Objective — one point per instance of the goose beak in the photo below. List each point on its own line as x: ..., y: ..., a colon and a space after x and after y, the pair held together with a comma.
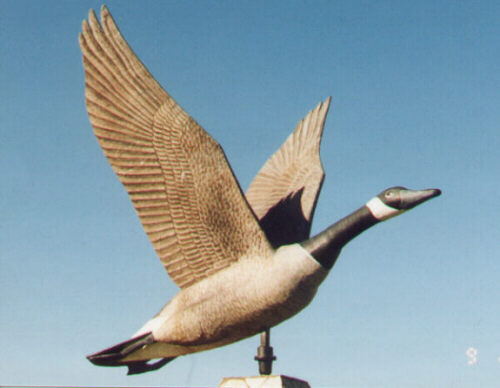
x: 412, y: 198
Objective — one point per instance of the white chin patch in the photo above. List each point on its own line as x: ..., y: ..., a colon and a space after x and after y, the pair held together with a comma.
x: 380, y: 210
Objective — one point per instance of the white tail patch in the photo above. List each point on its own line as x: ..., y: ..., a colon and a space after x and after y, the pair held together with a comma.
x: 151, y: 326
x: 380, y: 210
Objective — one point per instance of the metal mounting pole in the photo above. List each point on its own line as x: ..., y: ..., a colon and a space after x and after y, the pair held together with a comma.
x: 265, y: 355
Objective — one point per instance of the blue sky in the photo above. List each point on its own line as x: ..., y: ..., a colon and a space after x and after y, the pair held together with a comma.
x: 415, y: 88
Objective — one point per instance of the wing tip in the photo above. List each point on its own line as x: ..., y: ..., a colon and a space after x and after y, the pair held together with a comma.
x: 83, y: 35
x: 105, y: 14
x: 93, y: 21
x: 327, y: 102
x: 311, y: 126
x: 323, y: 106
x: 85, y: 26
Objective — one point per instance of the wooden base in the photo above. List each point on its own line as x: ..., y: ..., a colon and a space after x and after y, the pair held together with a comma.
x: 275, y: 381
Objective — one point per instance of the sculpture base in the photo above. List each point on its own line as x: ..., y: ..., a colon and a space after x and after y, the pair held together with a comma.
x: 274, y: 381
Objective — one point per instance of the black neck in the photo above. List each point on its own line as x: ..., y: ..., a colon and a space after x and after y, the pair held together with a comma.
x: 326, y: 246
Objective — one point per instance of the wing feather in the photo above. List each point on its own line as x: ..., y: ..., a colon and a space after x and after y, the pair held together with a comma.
x: 176, y: 175
x: 284, y: 193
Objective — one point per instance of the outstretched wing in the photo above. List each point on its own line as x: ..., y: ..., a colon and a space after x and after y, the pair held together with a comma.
x: 176, y: 175
x: 283, y: 195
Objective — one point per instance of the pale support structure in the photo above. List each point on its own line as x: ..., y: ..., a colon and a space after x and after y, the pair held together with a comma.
x: 265, y: 357
x: 276, y: 381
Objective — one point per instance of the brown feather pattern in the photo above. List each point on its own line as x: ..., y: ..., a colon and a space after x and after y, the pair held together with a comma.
x: 177, y: 176
x: 295, y: 166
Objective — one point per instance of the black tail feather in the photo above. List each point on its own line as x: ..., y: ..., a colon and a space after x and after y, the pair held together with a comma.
x: 135, y: 368
x: 114, y: 355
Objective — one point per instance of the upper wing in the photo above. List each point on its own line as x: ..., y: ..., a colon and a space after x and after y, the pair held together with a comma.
x: 176, y: 175
x: 283, y: 195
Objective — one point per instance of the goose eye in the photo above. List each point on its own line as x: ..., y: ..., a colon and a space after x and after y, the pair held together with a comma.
x: 389, y: 194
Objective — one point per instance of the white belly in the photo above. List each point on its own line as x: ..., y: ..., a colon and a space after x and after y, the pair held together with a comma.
x: 237, y: 302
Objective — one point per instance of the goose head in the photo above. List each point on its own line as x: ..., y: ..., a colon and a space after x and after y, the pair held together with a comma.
x: 326, y: 246
x: 398, y: 199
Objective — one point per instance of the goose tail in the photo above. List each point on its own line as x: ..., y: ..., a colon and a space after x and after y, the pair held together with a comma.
x: 115, y: 355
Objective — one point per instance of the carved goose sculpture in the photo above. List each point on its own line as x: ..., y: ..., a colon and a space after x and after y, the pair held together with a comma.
x: 243, y: 264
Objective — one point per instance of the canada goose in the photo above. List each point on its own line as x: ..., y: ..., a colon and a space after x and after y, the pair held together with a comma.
x: 243, y: 263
